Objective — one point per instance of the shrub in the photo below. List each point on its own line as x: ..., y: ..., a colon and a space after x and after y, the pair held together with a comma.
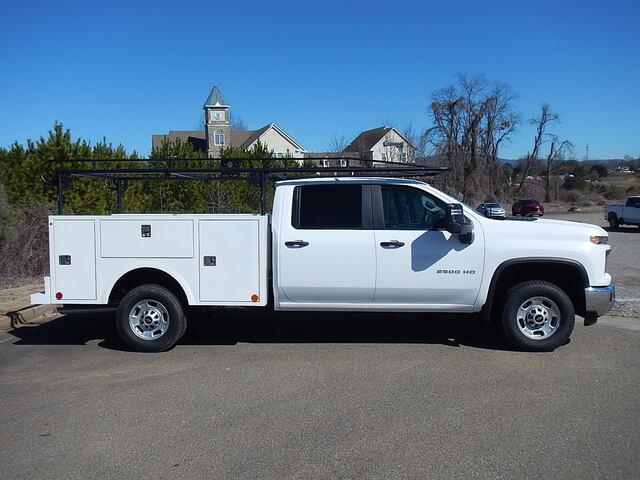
x: 24, y: 245
x: 613, y: 192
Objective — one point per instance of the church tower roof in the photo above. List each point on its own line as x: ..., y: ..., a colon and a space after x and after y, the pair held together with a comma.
x: 215, y: 98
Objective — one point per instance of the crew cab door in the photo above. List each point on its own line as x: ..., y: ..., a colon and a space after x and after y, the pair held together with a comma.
x: 632, y: 210
x: 419, y: 263
x: 326, y: 252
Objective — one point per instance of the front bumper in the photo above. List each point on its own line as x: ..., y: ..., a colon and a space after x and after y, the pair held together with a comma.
x: 599, y: 300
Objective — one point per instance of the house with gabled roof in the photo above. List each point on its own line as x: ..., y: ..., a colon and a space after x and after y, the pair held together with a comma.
x: 218, y: 133
x: 381, y: 144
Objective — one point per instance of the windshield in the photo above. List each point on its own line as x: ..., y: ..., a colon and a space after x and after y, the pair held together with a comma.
x: 492, y: 205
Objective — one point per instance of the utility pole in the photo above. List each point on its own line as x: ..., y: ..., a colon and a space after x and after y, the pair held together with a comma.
x: 587, y: 156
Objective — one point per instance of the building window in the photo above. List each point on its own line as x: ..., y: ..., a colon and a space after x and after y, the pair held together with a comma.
x: 384, y: 156
x: 343, y: 163
x: 217, y: 115
x: 403, y: 157
x: 324, y: 163
x: 218, y: 137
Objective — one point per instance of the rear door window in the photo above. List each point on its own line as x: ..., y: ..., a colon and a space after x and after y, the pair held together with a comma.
x: 328, y: 207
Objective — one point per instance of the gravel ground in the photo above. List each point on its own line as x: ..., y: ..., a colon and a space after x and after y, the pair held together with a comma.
x: 623, y: 263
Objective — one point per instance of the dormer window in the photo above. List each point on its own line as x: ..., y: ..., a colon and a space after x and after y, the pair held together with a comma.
x: 217, y: 115
x: 218, y: 137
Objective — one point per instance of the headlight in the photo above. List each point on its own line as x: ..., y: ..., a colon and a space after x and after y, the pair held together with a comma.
x: 599, y: 239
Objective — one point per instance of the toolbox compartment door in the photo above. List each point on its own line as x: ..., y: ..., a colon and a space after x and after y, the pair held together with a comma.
x: 229, y: 260
x: 74, y: 259
x: 146, y: 238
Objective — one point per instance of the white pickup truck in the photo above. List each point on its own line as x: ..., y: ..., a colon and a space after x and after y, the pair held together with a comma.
x: 627, y: 214
x: 341, y: 244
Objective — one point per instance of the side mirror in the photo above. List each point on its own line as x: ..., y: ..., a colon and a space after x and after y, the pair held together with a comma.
x: 456, y: 223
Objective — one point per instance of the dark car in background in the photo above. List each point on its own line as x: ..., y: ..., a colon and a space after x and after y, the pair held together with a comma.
x: 527, y: 206
x: 491, y: 209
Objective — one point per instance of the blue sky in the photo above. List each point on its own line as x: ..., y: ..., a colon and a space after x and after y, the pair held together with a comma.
x: 125, y: 70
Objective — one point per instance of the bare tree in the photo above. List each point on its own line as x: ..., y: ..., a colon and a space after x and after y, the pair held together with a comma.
x: 417, y: 139
x: 557, y: 151
x: 531, y: 161
x: 337, y: 143
x: 471, y: 121
x: 500, y: 123
x: 237, y: 122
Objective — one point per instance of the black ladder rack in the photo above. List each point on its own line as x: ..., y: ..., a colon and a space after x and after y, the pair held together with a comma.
x: 209, y: 169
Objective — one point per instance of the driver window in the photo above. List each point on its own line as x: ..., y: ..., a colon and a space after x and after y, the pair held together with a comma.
x: 407, y: 208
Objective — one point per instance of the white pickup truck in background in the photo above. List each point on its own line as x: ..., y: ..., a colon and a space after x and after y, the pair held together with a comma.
x: 627, y: 214
x: 341, y: 244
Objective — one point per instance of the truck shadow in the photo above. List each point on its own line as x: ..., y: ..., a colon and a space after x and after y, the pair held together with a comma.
x: 233, y: 326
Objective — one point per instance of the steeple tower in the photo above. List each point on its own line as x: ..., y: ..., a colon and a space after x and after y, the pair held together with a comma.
x: 217, y: 126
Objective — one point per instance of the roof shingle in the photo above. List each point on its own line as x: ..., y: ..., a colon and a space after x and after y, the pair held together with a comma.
x: 215, y: 98
x: 366, y: 140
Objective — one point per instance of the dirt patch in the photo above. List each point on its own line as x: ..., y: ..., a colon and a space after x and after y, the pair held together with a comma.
x: 12, y: 299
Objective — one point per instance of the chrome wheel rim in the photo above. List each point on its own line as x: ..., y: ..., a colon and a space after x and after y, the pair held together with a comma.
x: 538, y: 318
x: 149, y: 319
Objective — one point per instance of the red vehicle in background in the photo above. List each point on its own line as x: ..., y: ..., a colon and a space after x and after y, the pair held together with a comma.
x: 527, y: 206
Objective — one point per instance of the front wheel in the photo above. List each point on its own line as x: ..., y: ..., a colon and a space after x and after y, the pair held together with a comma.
x: 150, y: 318
x: 613, y: 222
x: 537, y: 316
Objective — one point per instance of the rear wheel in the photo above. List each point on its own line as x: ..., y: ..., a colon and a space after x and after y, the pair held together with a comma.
x: 150, y: 319
x: 537, y: 316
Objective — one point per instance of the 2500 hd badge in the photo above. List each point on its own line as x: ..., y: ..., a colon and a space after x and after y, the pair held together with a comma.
x: 457, y: 272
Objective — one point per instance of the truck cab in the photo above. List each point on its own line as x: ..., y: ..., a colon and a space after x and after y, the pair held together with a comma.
x: 371, y: 244
x: 627, y: 214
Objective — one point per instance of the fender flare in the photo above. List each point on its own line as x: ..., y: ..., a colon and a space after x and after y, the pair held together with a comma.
x: 488, y: 304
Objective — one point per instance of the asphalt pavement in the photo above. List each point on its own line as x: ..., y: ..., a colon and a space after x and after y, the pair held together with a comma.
x: 330, y: 396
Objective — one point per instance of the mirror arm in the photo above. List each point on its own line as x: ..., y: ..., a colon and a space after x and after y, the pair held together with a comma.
x: 467, y: 238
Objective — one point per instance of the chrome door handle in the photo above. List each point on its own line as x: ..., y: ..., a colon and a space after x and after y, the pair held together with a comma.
x: 296, y: 244
x: 392, y: 244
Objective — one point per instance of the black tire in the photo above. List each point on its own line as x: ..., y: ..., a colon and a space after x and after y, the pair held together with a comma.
x: 613, y: 222
x: 517, y: 296
x: 170, y: 307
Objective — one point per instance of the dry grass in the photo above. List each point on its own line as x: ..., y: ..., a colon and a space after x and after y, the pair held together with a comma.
x: 14, y: 298
x: 24, y: 243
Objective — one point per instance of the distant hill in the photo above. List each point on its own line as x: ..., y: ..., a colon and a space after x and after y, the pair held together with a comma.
x: 597, y: 160
x: 431, y: 160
